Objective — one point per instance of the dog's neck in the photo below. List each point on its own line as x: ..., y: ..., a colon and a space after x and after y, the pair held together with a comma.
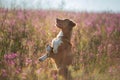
x: 65, y: 35
x: 60, y: 34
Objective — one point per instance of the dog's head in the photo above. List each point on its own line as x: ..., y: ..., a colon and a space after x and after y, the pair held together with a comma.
x: 65, y: 24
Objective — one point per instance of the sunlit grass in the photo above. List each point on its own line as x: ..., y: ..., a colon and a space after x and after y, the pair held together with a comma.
x: 24, y: 34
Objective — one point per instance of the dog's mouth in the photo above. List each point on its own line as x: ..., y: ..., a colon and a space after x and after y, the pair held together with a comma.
x: 58, y: 25
x: 44, y: 57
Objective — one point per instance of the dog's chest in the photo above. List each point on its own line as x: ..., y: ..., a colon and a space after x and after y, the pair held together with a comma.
x: 56, y: 42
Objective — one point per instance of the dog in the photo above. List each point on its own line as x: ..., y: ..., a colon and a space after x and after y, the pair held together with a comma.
x: 60, y: 49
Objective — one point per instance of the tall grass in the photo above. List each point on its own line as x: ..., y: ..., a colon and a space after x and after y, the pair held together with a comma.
x: 24, y: 34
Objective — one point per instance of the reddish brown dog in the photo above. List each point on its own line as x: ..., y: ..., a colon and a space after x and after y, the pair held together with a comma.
x: 61, y: 48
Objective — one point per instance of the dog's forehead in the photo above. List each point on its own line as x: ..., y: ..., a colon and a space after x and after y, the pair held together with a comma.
x: 67, y: 20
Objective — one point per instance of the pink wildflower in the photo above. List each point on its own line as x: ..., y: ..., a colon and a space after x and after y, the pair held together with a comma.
x: 4, y: 72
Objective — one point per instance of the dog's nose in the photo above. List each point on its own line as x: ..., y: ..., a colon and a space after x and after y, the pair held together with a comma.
x: 57, y: 19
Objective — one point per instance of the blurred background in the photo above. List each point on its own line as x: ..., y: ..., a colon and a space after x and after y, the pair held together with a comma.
x: 69, y: 5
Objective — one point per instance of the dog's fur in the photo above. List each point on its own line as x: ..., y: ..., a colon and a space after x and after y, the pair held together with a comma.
x: 56, y: 42
x: 60, y: 49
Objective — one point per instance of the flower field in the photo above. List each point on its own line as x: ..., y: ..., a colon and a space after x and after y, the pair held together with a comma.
x: 24, y: 34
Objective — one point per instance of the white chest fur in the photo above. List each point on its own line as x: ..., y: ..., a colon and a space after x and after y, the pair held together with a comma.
x: 56, y: 42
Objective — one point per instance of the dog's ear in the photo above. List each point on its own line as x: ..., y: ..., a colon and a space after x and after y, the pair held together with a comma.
x: 72, y: 24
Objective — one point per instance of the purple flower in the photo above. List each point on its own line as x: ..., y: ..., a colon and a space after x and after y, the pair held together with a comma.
x: 18, y: 70
x: 28, y: 61
x: 110, y: 29
x: 4, y: 72
x: 21, y: 15
x: 10, y: 58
